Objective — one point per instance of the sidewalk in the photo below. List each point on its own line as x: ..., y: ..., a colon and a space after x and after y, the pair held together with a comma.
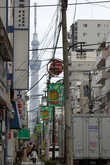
x: 29, y: 162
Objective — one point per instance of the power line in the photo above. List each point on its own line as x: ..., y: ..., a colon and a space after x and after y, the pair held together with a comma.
x: 36, y: 83
x: 34, y: 109
x: 89, y: 70
x: 75, y: 45
x: 86, y: 3
x: 46, y: 48
x: 75, y: 12
x: 44, y: 42
x: 57, y: 30
x: 54, y: 5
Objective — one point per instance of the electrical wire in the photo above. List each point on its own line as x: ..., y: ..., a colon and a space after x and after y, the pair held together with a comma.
x: 75, y: 12
x: 24, y: 62
x: 90, y: 70
x: 36, y: 83
x: 54, y: 5
x: 43, y: 43
x: 33, y: 109
x: 47, y: 48
x: 58, y: 27
x: 75, y: 46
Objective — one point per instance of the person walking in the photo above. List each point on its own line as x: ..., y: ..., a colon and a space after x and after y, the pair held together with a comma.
x: 34, y: 156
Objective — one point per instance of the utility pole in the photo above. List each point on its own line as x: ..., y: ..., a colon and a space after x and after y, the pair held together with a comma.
x: 53, y: 126
x: 53, y: 135
x: 67, y: 107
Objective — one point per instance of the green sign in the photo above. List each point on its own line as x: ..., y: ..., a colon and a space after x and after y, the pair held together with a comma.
x: 38, y: 127
x: 24, y: 133
x: 46, y: 113
x: 56, y: 94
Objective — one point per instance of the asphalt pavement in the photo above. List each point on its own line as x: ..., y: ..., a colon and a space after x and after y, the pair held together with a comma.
x: 29, y: 162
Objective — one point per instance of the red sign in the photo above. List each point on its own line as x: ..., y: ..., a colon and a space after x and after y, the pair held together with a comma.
x: 19, y: 103
x: 9, y: 135
x: 55, y: 67
x: 53, y: 95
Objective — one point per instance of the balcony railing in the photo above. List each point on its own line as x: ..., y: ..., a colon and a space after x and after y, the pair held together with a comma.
x: 5, y: 45
x: 100, y: 59
x: 102, y: 76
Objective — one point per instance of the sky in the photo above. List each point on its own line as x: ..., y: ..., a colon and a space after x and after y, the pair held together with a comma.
x: 91, y: 11
x: 45, y: 20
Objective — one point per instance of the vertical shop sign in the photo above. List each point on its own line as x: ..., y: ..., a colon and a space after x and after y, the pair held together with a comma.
x: 21, y: 44
x: 56, y: 94
x: 20, y: 106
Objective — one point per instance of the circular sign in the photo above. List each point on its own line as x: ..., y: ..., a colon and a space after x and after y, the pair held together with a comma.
x: 55, y: 67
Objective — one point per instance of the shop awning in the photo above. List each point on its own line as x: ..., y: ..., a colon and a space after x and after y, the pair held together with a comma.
x: 15, y: 123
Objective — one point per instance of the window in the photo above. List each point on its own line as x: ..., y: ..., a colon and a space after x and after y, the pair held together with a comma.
x: 98, y: 34
x: 21, y: 5
x: 84, y: 25
x: 98, y: 25
x: 86, y: 90
x: 70, y: 83
x: 84, y: 34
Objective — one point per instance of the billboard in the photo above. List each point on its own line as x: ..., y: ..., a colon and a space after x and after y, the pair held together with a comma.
x: 21, y: 45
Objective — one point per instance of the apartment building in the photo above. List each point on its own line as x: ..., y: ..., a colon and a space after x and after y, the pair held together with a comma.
x: 89, y: 31
x: 5, y: 105
x: 79, y: 68
x: 103, y: 78
x: 8, y: 126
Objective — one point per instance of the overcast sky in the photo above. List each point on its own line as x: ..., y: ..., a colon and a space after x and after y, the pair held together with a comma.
x: 91, y: 11
x: 44, y: 16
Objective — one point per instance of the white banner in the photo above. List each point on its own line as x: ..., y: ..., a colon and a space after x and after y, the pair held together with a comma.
x: 21, y: 68
x: 21, y: 45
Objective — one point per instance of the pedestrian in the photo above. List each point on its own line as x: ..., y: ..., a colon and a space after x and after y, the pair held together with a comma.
x: 29, y: 150
x: 19, y: 158
x: 34, y: 156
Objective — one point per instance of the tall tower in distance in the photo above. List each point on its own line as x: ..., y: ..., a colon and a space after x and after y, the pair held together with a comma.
x: 34, y: 75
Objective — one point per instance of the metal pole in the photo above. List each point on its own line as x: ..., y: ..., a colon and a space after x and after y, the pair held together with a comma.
x: 67, y: 107
x: 53, y: 136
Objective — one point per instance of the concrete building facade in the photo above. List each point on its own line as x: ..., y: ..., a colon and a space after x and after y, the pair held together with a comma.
x: 89, y: 31
x: 103, y: 78
x: 79, y: 68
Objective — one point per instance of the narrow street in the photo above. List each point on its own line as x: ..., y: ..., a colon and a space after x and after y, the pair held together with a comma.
x: 28, y: 162
x: 55, y: 82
